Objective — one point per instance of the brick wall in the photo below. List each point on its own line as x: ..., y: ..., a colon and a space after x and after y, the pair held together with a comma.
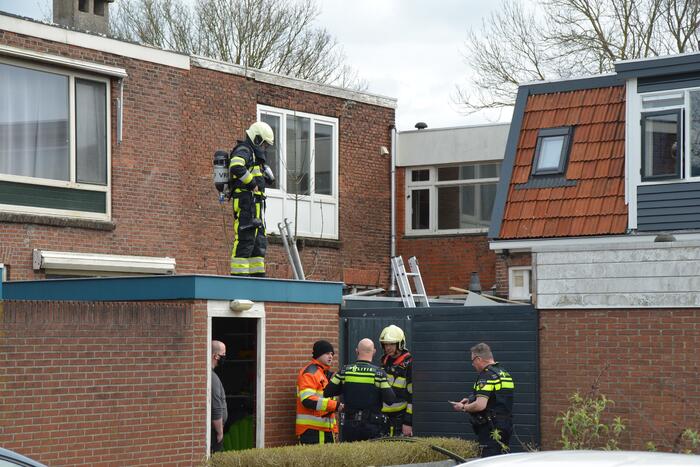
x: 163, y: 200
x: 644, y: 360
x: 445, y: 260
x: 103, y: 383
x: 504, y: 261
x: 291, y: 332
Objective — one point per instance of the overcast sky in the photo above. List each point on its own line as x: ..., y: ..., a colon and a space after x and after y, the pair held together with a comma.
x: 411, y: 50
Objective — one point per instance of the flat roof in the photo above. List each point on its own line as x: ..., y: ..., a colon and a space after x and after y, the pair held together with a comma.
x: 177, y: 287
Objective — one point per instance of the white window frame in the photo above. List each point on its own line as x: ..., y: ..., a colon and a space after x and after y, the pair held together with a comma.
x: 633, y: 141
x: 432, y: 185
x: 72, y: 183
x: 314, y: 203
x: 514, y: 293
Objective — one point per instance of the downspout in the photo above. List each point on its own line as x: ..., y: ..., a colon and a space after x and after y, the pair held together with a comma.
x: 392, y: 287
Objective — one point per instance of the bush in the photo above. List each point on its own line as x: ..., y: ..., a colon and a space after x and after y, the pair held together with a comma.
x: 582, y: 426
x: 363, y: 453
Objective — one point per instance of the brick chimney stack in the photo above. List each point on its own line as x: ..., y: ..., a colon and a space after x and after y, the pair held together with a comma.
x: 86, y: 15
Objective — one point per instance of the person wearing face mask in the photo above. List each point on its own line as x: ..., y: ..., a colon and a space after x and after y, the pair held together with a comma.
x: 248, y: 176
x: 398, y: 364
x: 219, y: 410
x: 316, y: 422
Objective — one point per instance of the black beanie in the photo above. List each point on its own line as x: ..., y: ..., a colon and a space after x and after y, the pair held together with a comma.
x: 321, y: 347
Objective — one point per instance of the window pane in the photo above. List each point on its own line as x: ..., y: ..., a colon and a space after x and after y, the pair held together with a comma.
x: 465, y: 207
x: 695, y: 133
x: 489, y: 170
x: 550, y: 152
x: 420, y: 175
x: 420, y: 209
x: 91, y: 131
x: 448, y: 173
x: 273, y: 152
x: 323, y: 163
x: 34, y: 123
x: 673, y: 100
x: 660, y: 133
x: 449, y: 201
x: 298, y: 155
x: 488, y: 195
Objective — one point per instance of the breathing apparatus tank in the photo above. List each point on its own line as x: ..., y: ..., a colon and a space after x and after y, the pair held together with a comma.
x: 221, y: 174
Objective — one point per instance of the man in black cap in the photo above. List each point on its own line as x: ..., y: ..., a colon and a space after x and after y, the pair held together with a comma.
x: 316, y: 423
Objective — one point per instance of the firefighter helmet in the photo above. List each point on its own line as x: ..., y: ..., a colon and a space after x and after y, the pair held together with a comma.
x: 393, y: 334
x: 261, y: 132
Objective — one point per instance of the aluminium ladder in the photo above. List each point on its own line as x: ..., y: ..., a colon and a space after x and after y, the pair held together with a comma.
x: 408, y: 297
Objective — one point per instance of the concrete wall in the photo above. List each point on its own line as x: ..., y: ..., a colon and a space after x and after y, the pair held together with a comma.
x: 618, y: 275
x: 452, y: 145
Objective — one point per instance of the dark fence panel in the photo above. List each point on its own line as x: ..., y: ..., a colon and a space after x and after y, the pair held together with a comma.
x: 439, y: 339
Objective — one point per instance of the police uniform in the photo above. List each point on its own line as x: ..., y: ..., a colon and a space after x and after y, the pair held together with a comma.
x: 399, y: 375
x: 364, y: 388
x: 495, y: 383
x: 247, y: 173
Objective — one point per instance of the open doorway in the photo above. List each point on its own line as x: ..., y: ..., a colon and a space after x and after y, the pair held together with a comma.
x: 238, y: 374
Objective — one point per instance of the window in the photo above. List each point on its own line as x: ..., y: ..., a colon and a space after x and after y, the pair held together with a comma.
x: 304, y: 160
x: 552, y: 151
x: 661, y: 132
x: 670, y: 135
x: 451, y: 199
x: 54, y: 137
x: 519, y: 283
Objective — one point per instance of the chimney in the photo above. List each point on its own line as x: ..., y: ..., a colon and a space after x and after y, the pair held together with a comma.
x: 85, y: 15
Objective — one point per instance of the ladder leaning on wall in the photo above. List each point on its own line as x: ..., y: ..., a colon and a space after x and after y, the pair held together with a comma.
x: 409, y: 297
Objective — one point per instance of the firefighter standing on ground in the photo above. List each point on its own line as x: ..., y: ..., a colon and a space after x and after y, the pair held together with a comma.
x: 492, y: 408
x: 247, y: 181
x: 364, y: 388
x: 398, y: 362
x: 316, y: 422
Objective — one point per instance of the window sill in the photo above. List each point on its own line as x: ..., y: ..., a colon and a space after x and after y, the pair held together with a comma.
x: 310, y: 242
x: 474, y: 233
x: 19, y: 218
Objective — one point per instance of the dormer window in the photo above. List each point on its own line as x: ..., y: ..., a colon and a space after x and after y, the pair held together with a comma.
x: 552, y: 151
x: 662, y: 150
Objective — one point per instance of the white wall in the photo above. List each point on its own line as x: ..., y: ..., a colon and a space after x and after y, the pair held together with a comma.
x: 452, y: 145
x: 640, y: 275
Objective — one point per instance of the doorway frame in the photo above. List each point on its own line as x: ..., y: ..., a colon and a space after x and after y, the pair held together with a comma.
x: 221, y: 309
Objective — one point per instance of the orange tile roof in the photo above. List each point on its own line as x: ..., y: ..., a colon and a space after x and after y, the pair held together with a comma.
x: 596, y: 205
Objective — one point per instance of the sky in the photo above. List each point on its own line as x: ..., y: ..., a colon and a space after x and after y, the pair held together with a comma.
x: 411, y: 50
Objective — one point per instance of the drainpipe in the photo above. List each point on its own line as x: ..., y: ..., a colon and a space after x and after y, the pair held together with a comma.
x: 392, y: 287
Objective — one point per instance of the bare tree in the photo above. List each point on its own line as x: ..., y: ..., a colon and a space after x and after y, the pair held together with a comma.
x: 530, y: 40
x: 264, y: 34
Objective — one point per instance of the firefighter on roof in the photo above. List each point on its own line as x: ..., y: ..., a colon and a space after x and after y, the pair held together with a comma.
x: 248, y: 177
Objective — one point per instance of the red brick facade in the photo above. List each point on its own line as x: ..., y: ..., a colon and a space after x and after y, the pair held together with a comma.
x: 445, y: 260
x: 504, y: 261
x: 125, y: 383
x: 644, y: 360
x: 163, y: 200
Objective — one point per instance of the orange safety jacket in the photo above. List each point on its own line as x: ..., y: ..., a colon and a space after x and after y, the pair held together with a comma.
x: 314, y: 411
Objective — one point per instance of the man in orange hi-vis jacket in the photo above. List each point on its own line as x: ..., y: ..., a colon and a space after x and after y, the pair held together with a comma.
x: 316, y: 423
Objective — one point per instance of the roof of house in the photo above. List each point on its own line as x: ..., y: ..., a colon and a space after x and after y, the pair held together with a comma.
x: 590, y: 199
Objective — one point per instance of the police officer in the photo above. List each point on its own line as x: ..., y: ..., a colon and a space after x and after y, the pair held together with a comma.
x: 364, y: 388
x: 398, y: 362
x: 492, y: 408
x: 247, y: 182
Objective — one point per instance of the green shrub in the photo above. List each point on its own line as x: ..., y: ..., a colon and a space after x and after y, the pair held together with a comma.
x: 363, y: 453
x: 582, y: 426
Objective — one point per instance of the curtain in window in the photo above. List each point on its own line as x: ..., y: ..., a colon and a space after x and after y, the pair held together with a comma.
x: 91, y: 131
x: 34, y: 123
